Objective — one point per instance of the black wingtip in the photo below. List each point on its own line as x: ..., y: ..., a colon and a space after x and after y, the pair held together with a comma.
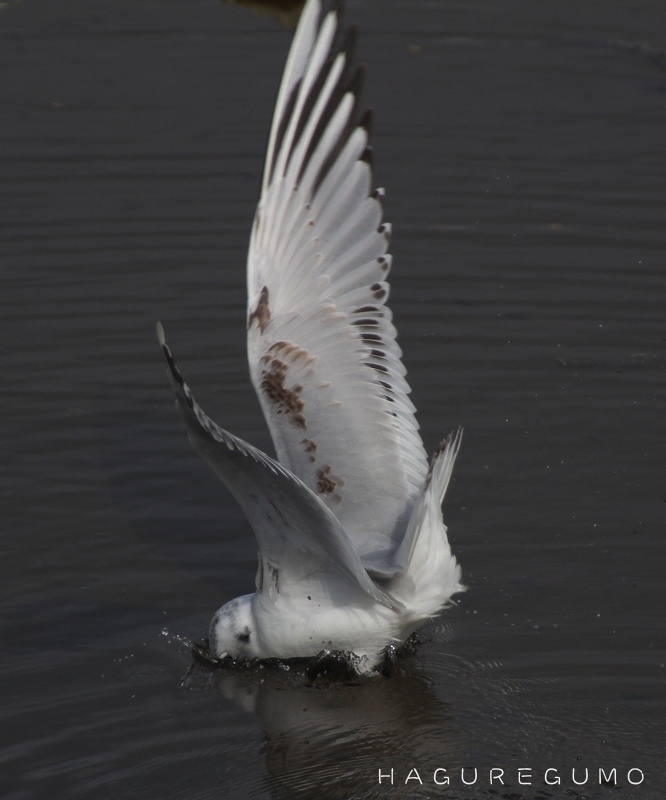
x: 355, y: 81
x: 161, y: 338
x: 177, y: 379
x: 349, y: 41
x: 367, y: 121
x: 337, y: 6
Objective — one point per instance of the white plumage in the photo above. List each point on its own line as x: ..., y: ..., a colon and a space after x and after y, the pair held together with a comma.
x: 353, y: 552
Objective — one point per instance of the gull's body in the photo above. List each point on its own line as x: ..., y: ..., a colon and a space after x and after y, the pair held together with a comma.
x: 353, y: 553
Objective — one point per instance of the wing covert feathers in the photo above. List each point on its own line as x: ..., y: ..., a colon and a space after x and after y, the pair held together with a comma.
x: 321, y: 344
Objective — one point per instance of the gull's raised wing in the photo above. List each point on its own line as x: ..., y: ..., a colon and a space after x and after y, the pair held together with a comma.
x: 321, y: 345
x: 299, y: 539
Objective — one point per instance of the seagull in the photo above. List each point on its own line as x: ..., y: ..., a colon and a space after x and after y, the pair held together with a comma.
x: 352, y: 547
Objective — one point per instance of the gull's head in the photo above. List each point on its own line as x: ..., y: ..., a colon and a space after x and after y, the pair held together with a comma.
x: 232, y: 630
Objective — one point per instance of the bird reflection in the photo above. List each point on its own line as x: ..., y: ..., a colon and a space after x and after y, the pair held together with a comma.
x: 339, y: 734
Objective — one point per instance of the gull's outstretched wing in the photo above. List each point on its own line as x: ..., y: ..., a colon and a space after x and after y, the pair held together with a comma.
x: 321, y: 346
x: 299, y: 539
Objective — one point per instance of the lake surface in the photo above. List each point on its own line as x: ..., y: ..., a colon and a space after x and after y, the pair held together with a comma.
x: 522, y: 148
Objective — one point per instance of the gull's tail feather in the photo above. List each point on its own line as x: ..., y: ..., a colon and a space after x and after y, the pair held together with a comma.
x: 430, y: 573
x: 442, y: 463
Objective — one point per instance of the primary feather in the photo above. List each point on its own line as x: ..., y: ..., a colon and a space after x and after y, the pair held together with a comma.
x: 321, y: 344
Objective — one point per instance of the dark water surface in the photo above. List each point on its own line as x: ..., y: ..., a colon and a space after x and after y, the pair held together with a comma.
x: 522, y: 147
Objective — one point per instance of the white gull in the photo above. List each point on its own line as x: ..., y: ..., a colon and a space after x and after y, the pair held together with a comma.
x: 353, y: 553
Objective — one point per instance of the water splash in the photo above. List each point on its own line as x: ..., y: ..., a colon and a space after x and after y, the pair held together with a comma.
x: 178, y: 639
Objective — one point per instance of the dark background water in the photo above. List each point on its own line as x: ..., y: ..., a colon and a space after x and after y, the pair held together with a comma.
x: 522, y: 148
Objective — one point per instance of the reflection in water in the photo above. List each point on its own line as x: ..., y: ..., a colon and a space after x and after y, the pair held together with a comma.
x: 446, y: 716
x: 285, y: 12
x: 339, y: 734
